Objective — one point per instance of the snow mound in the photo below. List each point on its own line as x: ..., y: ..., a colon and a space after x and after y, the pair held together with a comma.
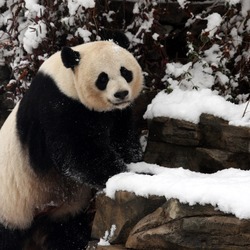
x: 188, y: 105
x: 227, y: 190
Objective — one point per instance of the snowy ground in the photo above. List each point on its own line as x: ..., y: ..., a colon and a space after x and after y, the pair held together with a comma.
x: 227, y: 190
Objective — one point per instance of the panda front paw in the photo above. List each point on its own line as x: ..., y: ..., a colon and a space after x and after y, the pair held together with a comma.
x: 105, y: 171
x: 133, y: 155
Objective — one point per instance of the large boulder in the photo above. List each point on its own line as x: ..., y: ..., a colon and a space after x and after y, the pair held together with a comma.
x: 180, y: 226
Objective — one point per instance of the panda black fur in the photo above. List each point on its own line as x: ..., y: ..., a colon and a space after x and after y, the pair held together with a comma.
x: 72, y: 130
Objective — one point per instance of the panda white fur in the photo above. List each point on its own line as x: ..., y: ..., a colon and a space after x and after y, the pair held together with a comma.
x: 73, y: 129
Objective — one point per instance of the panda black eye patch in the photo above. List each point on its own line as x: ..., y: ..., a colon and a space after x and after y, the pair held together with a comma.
x: 102, y: 81
x: 126, y: 74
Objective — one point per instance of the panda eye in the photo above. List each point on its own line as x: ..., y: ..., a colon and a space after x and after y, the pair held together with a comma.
x: 102, y: 81
x: 126, y: 74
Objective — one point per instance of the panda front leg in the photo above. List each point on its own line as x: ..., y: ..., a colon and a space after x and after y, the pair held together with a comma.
x: 91, y: 161
x: 10, y: 239
x: 101, y: 163
x: 125, y: 137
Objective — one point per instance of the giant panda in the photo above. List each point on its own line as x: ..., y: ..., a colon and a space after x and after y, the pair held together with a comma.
x: 72, y: 130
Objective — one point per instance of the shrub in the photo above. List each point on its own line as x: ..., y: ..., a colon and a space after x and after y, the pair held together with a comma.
x: 219, y: 58
x: 211, y: 45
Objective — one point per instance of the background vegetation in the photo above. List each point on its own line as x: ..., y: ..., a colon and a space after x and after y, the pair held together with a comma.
x: 160, y: 34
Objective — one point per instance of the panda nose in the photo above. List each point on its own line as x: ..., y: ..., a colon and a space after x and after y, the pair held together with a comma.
x: 121, y: 94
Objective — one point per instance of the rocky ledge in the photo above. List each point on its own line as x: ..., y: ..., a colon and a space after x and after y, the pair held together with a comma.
x: 155, y: 223
x: 206, y: 147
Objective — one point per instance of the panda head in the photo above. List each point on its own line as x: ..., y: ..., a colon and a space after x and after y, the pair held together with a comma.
x: 101, y: 75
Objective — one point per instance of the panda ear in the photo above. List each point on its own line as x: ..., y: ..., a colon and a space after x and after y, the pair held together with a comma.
x: 70, y: 58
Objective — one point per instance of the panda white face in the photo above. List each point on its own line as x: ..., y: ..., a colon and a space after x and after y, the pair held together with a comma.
x: 107, y: 77
x: 101, y: 75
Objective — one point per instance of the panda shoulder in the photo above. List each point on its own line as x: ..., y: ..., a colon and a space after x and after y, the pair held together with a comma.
x: 62, y: 77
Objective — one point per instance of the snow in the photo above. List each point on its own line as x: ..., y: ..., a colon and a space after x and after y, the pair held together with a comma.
x: 2, y: 2
x: 223, y: 79
x: 155, y: 36
x: 108, y: 16
x: 177, y: 69
x: 33, y: 7
x: 144, y: 24
x: 245, y: 7
x: 213, y: 21
x: 232, y: 2
x: 34, y: 35
x: 73, y: 5
x: 85, y: 34
x: 136, y: 9
x: 188, y: 105
x: 199, y: 75
x: 227, y: 190
x: 182, y: 3
x: 237, y: 40
x: 107, y: 237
